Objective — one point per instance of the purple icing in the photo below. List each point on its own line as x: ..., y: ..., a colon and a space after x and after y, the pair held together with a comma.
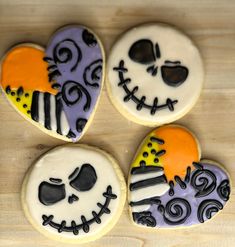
x: 78, y: 74
x: 214, y: 194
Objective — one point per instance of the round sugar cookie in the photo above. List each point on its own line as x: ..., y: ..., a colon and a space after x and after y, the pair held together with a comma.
x: 74, y: 194
x: 170, y: 186
x: 154, y: 74
x: 56, y: 88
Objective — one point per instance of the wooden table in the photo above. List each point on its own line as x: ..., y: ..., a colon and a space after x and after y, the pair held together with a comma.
x: 210, y: 23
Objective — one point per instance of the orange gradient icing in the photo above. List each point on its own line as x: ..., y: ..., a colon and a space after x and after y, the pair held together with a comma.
x: 24, y: 67
x: 181, y: 150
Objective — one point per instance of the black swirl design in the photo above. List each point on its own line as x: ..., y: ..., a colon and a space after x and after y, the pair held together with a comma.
x: 67, y: 51
x: 176, y: 211
x: 223, y: 190
x: 207, y: 208
x: 144, y: 218
x: 204, y: 182
x: 72, y: 93
x: 93, y: 73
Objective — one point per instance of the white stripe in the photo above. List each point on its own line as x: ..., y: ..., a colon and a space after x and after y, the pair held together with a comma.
x: 41, y: 113
x: 64, y: 124
x: 139, y: 177
x: 150, y: 191
x: 140, y: 208
x: 53, y: 112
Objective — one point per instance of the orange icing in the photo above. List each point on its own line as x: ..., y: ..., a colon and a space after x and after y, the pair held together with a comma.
x: 181, y: 150
x: 24, y: 66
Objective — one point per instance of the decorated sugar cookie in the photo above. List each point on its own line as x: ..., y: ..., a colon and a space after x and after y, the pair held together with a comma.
x: 74, y: 194
x: 170, y: 186
x: 58, y: 88
x: 155, y: 74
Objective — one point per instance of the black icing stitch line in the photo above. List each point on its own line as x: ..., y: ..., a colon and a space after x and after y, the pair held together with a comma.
x: 130, y: 95
x: 48, y: 220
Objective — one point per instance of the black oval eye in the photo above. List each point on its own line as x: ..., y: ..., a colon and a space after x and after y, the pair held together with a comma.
x: 142, y: 51
x: 89, y: 38
x: 49, y: 194
x: 85, y: 179
x: 174, y: 75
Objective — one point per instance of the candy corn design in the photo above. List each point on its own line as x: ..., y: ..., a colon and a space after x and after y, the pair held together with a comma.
x: 170, y: 186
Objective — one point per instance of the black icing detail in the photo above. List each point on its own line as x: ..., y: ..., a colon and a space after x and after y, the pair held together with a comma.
x: 72, y: 93
x: 157, y: 140
x: 47, y: 111
x: 188, y: 174
x: 71, y: 134
x: 142, y: 51
x: 56, y: 180
x: 74, y: 228
x: 80, y: 124
x: 174, y: 76
x: 58, y: 111
x: 204, y: 182
x: 145, y: 169
x: 20, y: 91
x: 85, y: 179
x: 92, y: 73
x: 34, y: 106
x: 147, y: 201
x: 176, y: 211
x: 171, y: 190
x: 144, y: 218
x: 160, y: 153
x: 49, y: 194
x: 140, y: 103
x: 72, y: 198
x: 65, y: 52
x: 223, y: 190
x: 8, y: 89
x: 148, y: 182
x: 180, y: 182
x: 88, y: 38
x: 206, y: 208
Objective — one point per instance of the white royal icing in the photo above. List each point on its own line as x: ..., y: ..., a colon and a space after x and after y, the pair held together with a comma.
x: 173, y: 46
x: 60, y: 163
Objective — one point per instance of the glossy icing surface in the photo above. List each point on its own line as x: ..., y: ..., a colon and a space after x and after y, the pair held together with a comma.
x: 73, y: 192
x: 64, y: 82
x: 155, y: 74
x: 183, y: 193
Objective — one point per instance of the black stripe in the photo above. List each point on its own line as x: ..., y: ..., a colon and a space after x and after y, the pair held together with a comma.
x: 147, y: 201
x: 47, y: 111
x: 146, y: 169
x: 148, y: 182
x: 34, y: 106
x: 58, y: 110
x: 157, y: 140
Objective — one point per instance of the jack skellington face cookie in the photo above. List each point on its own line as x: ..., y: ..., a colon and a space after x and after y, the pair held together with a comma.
x: 170, y: 186
x: 56, y: 89
x: 74, y: 193
x: 155, y: 74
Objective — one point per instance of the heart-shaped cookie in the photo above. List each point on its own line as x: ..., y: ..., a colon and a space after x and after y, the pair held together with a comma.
x: 57, y: 89
x: 169, y: 186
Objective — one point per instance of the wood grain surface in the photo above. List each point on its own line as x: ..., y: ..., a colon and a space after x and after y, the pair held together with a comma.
x: 210, y: 23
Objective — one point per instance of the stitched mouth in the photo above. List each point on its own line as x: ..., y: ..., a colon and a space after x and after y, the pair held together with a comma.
x: 131, y: 94
x: 85, y: 225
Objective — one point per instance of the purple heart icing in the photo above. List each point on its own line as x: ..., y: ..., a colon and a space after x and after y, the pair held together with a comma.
x: 75, y: 61
x: 191, y: 201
